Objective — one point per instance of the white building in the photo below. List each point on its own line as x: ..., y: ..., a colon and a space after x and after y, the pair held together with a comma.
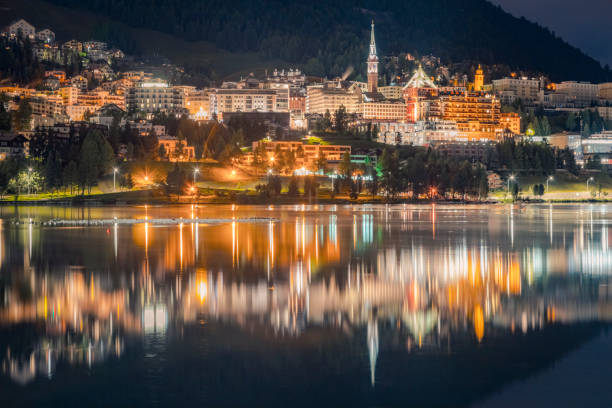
x: 420, y: 133
x: 151, y: 97
x: 579, y: 93
x: 21, y: 26
x: 510, y: 89
x: 605, y: 91
x: 47, y: 36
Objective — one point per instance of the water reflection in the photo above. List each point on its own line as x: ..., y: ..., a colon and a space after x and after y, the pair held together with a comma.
x: 423, y: 279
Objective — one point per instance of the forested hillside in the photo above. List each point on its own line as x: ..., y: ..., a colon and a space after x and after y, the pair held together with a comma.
x: 328, y: 36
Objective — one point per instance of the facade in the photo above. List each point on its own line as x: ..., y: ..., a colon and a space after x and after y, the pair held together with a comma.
x: 46, y: 36
x: 306, y: 154
x: 383, y: 110
x: 21, y: 27
x: 477, y: 114
x: 151, y: 97
x: 12, y: 145
x: 510, y: 121
x: 605, y: 91
x: 243, y: 100
x: 579, y: 93
x: 320, y: 98
x: 510, y: 89
x: 176, y: 150
x: 605, y: 112
x: 391, y: 92
x: 418, y: 94
x: 420, y: 133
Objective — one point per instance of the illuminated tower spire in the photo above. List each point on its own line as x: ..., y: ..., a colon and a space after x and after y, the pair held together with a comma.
x: 372, y: 64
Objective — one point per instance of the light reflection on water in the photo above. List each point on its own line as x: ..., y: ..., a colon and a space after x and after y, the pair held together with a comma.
x: 367, y: 292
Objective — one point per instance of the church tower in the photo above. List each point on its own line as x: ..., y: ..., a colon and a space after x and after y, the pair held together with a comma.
x: 372, y: 64
x: 479, y: 79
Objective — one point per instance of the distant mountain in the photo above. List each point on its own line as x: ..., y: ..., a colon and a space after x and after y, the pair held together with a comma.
x: 328, y: 36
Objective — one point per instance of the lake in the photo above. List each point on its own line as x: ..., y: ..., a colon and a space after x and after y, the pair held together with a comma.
x: 361, y: 306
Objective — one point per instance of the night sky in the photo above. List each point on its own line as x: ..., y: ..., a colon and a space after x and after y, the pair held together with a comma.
x: 586, y: 24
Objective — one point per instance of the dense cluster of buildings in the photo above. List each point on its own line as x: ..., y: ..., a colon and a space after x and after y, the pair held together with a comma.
x: 413, y: 111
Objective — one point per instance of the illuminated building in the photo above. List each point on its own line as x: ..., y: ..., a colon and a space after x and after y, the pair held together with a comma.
x: 476, y: 114
x: 323, y: 98
x: 21, y: 27
x: 510, y: 121
x: 510, y: 89
x: 605, y: 91
x: 372, y: 64
x: 391, y: 91
x: 305, y: 154
x: 151, y: 97
x: 197, y: 102
x: 242, y: 100
x: 579, y: 93
x: 383, y: 110
x: 418, y: 94
x: 479, y: 79
x: 175, y: 149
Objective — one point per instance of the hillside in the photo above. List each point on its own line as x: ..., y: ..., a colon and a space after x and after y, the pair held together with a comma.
x: 323, y: 37
x: 199, y: 56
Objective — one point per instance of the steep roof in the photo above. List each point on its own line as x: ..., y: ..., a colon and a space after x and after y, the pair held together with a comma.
x: 420, y: 80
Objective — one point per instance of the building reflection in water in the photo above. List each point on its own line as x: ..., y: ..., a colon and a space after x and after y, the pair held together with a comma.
x: 429, y: 272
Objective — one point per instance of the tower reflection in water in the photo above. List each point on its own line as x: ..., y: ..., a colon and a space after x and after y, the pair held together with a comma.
x: 79, y: 294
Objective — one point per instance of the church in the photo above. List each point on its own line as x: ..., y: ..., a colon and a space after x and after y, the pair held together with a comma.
x: 375, y: 106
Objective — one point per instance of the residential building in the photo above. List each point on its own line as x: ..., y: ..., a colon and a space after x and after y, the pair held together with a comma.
x: 243, y: 100
x: 21, y: 27
x: 605, y: 112
x: 510, y: 89
x: 322, y: 98
x: 175, y: 149
x: 391, y: 92
x: 46, y: 36
x: 579, y: 93
x: 306, y: 154
x: 477, y: 114
x: 12, y: 145
x: 605, y: 91
x: 155, y: 96
x: 383, y: 110
x: 510, y: 121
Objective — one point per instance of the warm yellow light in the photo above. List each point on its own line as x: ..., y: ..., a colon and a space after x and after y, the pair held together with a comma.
x: 202, y: 290
x: 233, y: 172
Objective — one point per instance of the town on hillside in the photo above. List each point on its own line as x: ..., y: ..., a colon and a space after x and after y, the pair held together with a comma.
x: 82, y: 117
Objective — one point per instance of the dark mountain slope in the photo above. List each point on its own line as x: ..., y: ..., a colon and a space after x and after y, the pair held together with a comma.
x: 328, y: 36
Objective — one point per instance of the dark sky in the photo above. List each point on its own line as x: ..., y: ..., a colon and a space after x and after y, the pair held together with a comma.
x: 586, y: 24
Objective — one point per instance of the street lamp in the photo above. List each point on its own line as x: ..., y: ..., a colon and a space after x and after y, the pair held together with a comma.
x: 29, y: 179
x: 511, y: 178
x: 588, y: 181
x: 550, y: 178
x: 195, y: 171
x: 115, y: 170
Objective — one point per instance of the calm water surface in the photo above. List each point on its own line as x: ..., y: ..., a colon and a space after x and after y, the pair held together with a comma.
x: 363, y: 306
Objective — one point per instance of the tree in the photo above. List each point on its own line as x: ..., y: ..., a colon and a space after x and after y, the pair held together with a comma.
x: 70, y: 175
x: 53, y: 172
x: 293, y: 188
x: 515, y: 191
x: 346, y: 166
x: 545, y: 128
x: 570, y: 123
x: 321, y: 163
x: 340, y: 120
x: 23, y: 115
x: 95, y: 158
x: 162, y: 152
x: 176, y: 180
x: 390, y: 170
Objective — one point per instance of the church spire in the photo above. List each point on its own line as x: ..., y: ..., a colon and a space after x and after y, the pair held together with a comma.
x: 372, y: 64
x: 372, y: 42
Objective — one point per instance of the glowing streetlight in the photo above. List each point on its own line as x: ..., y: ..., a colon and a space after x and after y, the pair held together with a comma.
x: 233, y: 172
x: 195, y: 172
x: 115, y: 171
x: 511, y: 178
x: 550, y: 178
x: 588, y: 181
x: 29, y: 180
